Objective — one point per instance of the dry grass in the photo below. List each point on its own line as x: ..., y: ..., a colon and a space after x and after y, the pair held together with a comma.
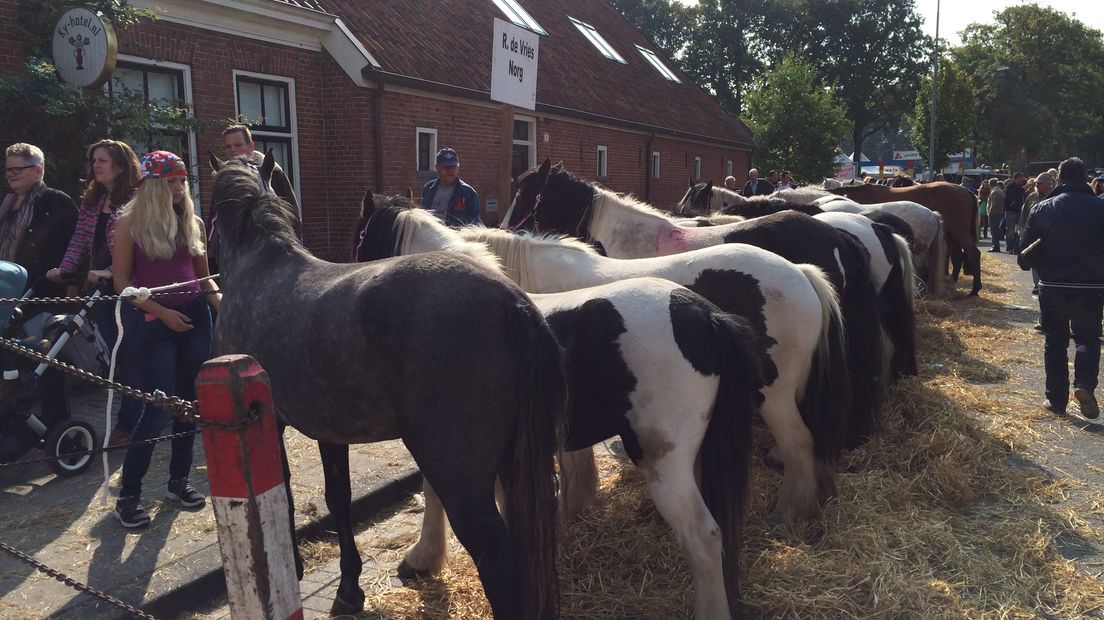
x: 931, y: 520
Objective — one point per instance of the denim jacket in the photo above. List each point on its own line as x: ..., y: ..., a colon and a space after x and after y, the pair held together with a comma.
x: 463, y: 206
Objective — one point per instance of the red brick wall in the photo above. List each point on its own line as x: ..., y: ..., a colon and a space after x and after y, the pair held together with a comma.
x: 12, y: 48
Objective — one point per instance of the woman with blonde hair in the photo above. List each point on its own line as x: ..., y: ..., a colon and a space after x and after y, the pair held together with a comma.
x: 159, y: 241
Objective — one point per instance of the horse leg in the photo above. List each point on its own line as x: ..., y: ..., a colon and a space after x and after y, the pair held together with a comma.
x: 427, y: 556
x: 798, y: 496
x: 578, y: 482
x: 674, y: 492
x: 291, y: 504
x: 335, y: 466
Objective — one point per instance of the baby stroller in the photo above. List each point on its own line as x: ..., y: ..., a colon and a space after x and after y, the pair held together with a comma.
x: 34, y: 411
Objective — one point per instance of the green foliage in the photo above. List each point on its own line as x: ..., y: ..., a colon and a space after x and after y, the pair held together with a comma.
x: 1034, y: 73
x: 38, y: 17
x: 668, y: 24
x: 956, y: 111
x: 796, y: 122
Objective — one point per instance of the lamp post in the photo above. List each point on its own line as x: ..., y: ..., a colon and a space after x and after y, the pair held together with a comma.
x: 934, y: 90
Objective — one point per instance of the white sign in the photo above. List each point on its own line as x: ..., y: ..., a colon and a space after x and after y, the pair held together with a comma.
x: 906, y: 155
x: 85, y: 48
x: 514, y: 65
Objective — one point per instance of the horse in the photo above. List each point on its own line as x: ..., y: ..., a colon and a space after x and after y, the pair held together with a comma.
x: 648, y: 360
x: 554, y: 200
x: 360, y: 353
x: 956, y: 204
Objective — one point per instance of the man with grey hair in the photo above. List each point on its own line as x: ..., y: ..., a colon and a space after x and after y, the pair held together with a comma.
x: 1070, y: 227
x: 756, y: 186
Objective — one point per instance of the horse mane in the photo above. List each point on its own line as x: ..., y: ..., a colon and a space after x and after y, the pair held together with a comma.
x: 246, y: 213
x: 605, y: 201
x: 731, y: 195
x: 411, y: 223
x: 515, y: 251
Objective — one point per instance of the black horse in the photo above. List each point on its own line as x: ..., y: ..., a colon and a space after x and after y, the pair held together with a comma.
x: 360, y: 353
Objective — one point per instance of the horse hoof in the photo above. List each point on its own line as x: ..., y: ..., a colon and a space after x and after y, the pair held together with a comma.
x: 409, y: 573
x: 341, y: 607
x: 974, y: 293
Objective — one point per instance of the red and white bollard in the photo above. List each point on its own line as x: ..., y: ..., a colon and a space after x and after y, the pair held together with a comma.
x: 247, y: 490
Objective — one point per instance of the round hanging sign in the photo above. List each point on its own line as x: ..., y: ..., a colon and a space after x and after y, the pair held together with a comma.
x: 85, y: 48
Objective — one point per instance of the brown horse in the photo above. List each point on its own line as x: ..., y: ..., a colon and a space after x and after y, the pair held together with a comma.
x: 956, y: 204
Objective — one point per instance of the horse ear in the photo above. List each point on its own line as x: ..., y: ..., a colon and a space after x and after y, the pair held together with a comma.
x: 690, y: 181
x: 543, y: 172
x: 409, y: 194
x: 267, y: 166
x: 216, y: 163
x: 367, y: 204
x: 708, y: 186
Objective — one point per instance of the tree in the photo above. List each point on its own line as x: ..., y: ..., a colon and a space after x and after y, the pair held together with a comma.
x: 797, y: 123
x: 667, y: 23
x: 872, y: 51
x: 1033, y: 71
x: 956, y: 109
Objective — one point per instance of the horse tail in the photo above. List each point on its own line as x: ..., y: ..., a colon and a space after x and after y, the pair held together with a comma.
x: 900, y: 315
x: 937, y: 259
x: 865, y: 347
x: 827, y: 397
x: 528, y: 475
x: 726, y: 447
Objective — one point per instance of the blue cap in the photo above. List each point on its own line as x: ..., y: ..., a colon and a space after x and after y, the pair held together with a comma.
x: 447, y: 157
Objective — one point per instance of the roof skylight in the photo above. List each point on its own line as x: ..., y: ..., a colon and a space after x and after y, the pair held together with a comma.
x: 519, y: 16
x: 597, y: 40
x: 659, y: 66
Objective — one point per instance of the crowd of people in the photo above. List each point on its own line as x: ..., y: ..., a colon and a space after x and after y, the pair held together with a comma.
x: 776, y: 181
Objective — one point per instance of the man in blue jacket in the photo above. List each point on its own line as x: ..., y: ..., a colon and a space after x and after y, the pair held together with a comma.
x: 1070, y: 224
x: 453, y: 201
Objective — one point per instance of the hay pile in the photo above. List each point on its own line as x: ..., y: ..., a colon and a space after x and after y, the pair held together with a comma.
x: 931, y: 519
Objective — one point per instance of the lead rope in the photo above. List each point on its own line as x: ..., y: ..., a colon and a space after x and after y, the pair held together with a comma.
x: 138, y: 295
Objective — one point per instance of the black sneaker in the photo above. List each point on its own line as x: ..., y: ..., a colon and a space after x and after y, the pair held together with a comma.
x: 129, y: 512
x: 180, y: 490
x: 1089, y: 407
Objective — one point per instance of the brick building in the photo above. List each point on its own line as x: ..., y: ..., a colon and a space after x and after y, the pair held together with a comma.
x: 354, y: 95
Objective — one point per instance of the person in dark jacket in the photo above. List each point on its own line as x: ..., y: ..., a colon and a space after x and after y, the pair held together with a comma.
x: 1014, y: 196
x: 35, y: 225
x: 1070, y: 224
x: 453, y: 201
x: 756, y: 186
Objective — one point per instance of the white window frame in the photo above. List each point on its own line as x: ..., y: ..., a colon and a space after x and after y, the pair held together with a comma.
x: 193, y: 157
x: 519, y: 16
x: 656, y: 162
x: 653, y: 59
x: 597, y: 40
x: 603, y: 162
x: 292, y: 119
x: 432, y: 146
x: 532, y: 141
x: 728, y: 168
x: 697, y: 168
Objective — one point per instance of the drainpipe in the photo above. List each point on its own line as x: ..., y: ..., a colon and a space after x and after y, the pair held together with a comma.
x: 377, y: 126
x: 648, y: 167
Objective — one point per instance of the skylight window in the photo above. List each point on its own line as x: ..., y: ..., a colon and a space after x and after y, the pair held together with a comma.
x: 519, y: 16
x: 659, y: 66
x: 597, y: 40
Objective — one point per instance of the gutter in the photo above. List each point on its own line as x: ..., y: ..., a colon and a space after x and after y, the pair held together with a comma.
x: 648, y: 168
x: 372, y: 73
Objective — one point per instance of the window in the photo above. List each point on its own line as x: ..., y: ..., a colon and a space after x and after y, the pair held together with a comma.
x: 651, y: 57
x: 524, y: 150
x: 597, y: 40
x: 697, y: 168
x: 655, y: 165
x: 266, y: 104
x: 425, y: 148
x: 518, y: 16
x: 602, y: 168
x: 728, y: 168
x: 162, y: 86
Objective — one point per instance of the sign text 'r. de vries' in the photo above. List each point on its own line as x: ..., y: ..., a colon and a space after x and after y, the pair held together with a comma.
x: 514, y: 65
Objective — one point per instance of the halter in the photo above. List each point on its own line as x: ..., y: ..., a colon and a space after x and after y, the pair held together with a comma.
x: 363, y: 233
x: 532, y: 214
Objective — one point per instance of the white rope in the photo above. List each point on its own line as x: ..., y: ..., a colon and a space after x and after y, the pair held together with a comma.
x: 141, y: 294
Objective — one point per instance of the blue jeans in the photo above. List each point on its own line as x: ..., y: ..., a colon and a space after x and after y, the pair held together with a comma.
x: 129, y: 409
x: 168, y: 361
x: 1063, y: 312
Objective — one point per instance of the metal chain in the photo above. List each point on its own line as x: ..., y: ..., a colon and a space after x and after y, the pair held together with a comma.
x: 124, y: 446
x: 73, y: 583
x: 183, y: 409
x: 101, y: 298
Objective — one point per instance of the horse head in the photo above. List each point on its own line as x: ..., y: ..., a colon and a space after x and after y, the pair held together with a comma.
x: 527, y: 198
x: 243, y: 204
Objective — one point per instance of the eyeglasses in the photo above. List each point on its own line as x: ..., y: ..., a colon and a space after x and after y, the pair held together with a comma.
x: 18, y: 169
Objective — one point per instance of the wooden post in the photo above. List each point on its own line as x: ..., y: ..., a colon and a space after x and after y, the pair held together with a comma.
x: 247, y: 490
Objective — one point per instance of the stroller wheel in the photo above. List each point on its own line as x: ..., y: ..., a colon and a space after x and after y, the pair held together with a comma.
x: 68, y: 438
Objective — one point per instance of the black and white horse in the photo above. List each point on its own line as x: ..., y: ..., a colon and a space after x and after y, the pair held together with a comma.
x: 648, y: 360
x: 439, y: 350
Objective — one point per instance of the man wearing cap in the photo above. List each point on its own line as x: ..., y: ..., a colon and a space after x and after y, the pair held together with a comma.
x: 1044, y: 185
x: 1070, y: 224
x: 453, y: 201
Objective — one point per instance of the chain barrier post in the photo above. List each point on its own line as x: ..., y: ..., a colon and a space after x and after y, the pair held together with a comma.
x: 247, y: 489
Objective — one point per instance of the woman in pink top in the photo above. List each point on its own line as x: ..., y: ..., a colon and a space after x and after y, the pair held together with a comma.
x: 159, y: 241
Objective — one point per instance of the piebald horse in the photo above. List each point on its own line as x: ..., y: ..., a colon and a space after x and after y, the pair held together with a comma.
x: 648, y: 360
x: 360, y: 353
